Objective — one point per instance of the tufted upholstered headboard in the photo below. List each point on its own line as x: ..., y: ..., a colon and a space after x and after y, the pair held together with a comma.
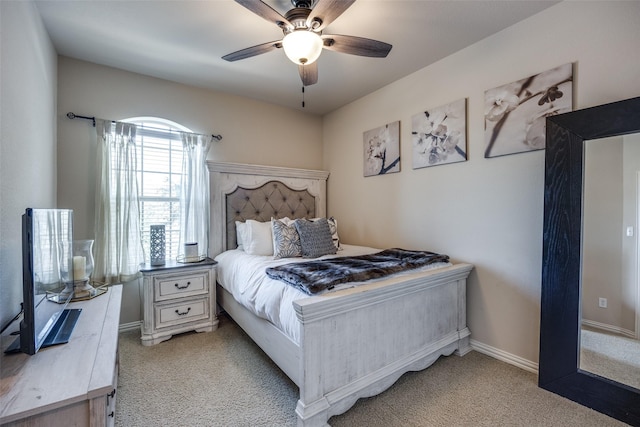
x: 240, y: 192
x: 271, y: 200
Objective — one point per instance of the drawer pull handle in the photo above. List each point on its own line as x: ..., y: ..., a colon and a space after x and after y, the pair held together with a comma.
x: 183, y: 313
x: 183, y: 287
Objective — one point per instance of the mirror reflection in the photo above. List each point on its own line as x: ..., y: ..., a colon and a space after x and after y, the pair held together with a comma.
x: 610, y: 323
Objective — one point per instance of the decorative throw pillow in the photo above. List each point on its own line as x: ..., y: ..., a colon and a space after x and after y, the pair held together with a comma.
x: 286, y: 220
x: 258, y: 238
x: 333, y: 226
x: 315, y: 238
x: 286, y: 240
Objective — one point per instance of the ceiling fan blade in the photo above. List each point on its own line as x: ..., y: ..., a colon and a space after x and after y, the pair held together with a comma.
x: 253, y: 51
x: 265, y: 11
x: 309, y: 73
x: 356, y: 45
x: 326, y: 11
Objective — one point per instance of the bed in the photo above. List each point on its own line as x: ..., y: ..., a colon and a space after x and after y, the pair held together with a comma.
x: 349, y: 343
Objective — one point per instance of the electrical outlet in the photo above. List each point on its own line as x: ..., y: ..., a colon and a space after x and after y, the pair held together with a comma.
x: 602, y: 302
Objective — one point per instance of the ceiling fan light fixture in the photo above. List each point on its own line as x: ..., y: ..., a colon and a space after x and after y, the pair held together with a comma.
x: 302, y: 46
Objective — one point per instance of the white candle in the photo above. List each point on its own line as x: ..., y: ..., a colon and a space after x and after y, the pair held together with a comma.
x: 79, y: 270
x: 191, y: 252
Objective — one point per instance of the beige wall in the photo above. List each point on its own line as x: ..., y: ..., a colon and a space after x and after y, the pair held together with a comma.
x: 253, y: 132
x: 603, y: 233
x: 27, y: 137
x: 485, y: 211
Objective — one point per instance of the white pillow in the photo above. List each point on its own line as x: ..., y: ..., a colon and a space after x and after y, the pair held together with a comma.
x: 241, y: 234
x: 258, y: 238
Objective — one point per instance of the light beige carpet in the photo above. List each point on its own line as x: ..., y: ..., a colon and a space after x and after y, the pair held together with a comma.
x: 610, y: 356
x: 223, y: 379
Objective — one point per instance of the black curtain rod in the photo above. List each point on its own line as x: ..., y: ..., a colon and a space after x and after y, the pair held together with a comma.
x: 93, y: 119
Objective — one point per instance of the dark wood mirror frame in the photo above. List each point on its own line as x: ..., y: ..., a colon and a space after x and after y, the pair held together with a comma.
x: 560, y: 309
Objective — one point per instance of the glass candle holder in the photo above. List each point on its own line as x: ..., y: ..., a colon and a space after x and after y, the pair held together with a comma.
x: 82, y: 260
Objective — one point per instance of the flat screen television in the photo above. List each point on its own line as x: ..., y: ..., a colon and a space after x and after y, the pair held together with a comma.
x: 47, y: 236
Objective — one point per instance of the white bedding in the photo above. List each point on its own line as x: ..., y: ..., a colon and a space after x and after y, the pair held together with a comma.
x: 244, y: 277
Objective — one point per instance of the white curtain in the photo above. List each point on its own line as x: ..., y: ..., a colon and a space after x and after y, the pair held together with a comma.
x: 118, y: 243
x: 194, y: 196
x: 51, y: 250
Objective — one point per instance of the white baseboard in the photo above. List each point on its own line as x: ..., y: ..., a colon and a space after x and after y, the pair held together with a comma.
x: 126, y: 327
x: 509, y: 358
x: 609, y: 328
x: 530, y: 366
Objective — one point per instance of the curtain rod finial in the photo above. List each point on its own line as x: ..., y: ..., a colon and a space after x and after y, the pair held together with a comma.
x: 74, y: 116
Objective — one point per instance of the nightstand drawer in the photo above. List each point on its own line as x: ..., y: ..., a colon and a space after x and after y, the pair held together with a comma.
x: 181, y: 286
x: 182, y: 312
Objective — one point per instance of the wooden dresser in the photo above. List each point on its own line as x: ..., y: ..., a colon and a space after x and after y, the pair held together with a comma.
x: 72, y: 384
x: 178, y: 298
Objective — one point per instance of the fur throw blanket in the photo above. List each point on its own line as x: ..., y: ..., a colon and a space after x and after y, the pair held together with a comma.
x: 313, y: 277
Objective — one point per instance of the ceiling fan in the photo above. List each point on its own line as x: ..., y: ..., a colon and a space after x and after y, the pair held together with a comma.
x: 303, y: 40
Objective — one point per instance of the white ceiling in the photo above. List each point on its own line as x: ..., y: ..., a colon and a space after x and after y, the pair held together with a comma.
x: 183, y: 41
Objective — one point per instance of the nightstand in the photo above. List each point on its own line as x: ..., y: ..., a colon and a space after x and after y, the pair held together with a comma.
x: 178, y: 298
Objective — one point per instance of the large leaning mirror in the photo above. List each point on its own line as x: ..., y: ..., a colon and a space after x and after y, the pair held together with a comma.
x: 590, y: 290
x: 609, y: 341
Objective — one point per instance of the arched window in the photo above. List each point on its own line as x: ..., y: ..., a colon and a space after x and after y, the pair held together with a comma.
x: 159, y: 175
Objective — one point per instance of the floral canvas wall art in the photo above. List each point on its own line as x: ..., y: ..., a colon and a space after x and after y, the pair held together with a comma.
x: 382, y: 149
x: 439, y: 135
x: 515, y: 113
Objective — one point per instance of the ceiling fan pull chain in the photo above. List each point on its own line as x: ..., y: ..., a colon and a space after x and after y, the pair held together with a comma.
x: 302, y: 96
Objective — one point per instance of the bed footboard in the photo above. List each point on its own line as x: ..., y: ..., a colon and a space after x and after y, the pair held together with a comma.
x: 358, y: 342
